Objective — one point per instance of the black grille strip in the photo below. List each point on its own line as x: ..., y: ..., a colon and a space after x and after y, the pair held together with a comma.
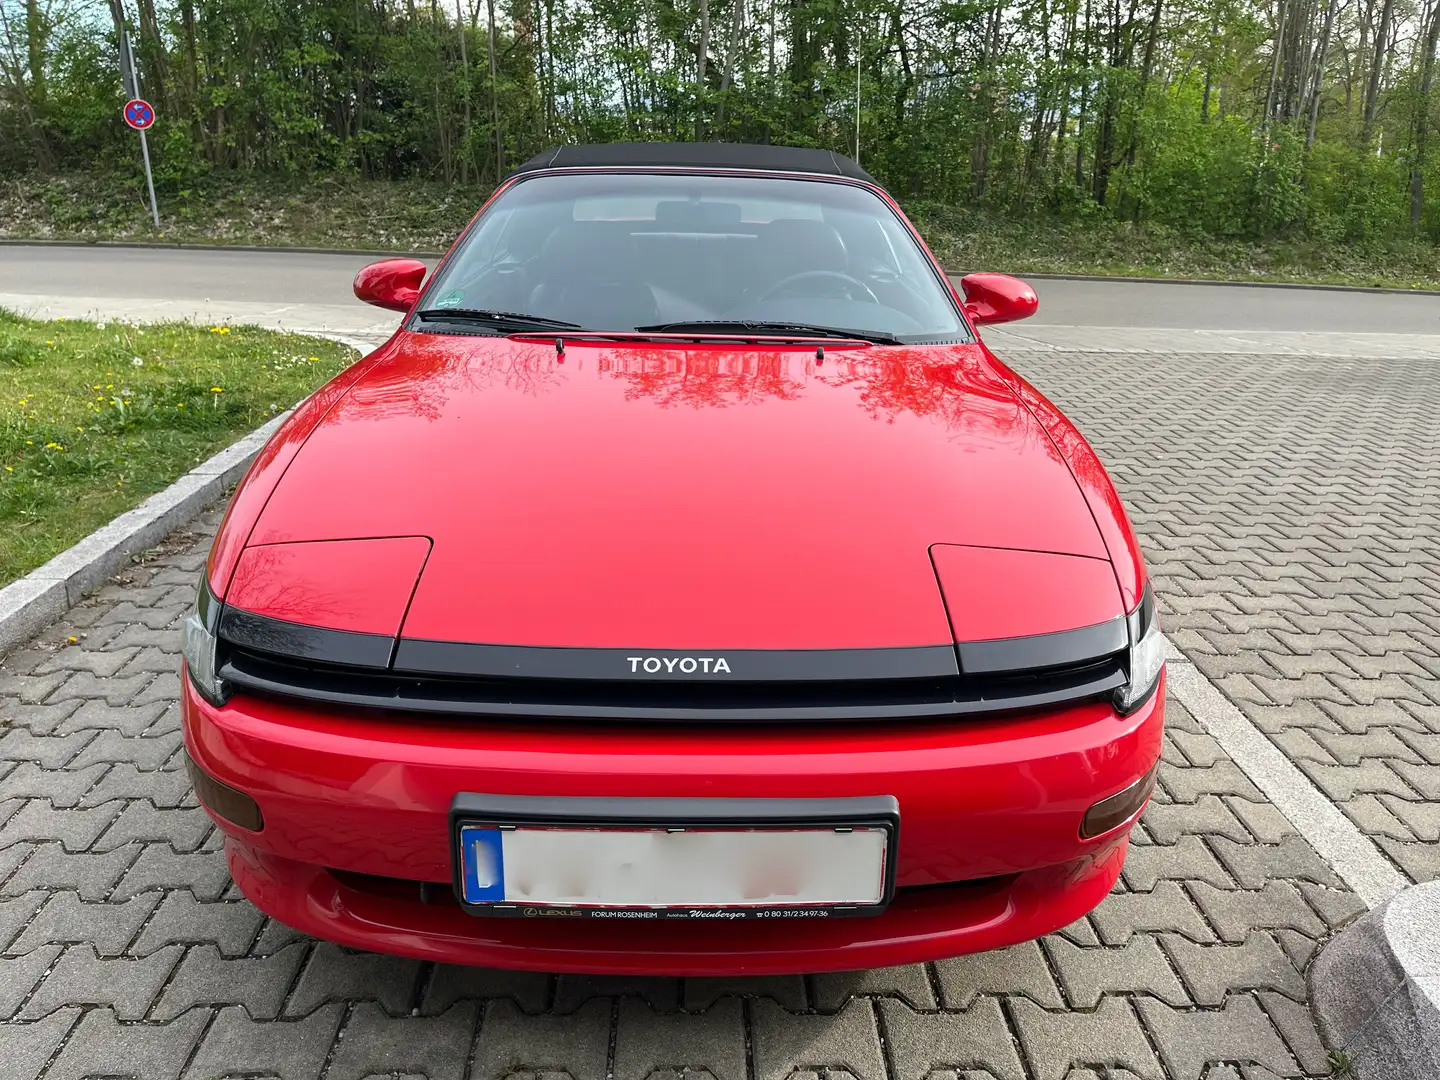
x: 276, y: 636
x: 1043, y: 650
x: 270, y: 657
x: 580, y: 700
x: 696, y: 666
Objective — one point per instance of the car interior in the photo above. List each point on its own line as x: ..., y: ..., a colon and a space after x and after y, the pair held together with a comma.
x: 624, y: 263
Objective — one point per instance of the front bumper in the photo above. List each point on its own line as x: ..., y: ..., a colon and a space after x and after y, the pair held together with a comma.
x: 989, y: 848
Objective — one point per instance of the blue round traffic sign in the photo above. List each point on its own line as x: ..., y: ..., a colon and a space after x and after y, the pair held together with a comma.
x: 138, y: 114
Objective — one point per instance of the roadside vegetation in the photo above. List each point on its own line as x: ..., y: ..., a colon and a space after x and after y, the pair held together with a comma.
x: 425, y: 216
x: 1292, y: 139
x: 96, y: 416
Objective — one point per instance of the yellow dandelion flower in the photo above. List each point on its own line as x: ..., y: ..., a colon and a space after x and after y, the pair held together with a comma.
x: 216, y: 390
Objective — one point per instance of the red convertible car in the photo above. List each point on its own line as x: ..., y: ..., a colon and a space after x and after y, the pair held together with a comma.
x: 684, y: 588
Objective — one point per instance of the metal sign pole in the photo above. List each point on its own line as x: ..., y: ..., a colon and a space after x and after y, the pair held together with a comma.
x: 149, y: 180
x: 128, y: 53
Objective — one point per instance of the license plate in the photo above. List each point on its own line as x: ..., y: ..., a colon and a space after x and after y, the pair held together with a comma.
x: 681, y: 858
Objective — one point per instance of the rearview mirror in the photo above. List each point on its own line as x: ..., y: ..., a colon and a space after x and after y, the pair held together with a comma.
x: 996, y: 298
x: 393, y: 283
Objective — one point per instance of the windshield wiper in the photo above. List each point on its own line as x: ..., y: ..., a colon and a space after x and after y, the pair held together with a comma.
x: 768, y: 329
x: 509, y: 320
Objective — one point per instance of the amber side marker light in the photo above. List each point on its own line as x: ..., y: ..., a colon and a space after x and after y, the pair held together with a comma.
x: 1112, y: 811
x: 234, y: 806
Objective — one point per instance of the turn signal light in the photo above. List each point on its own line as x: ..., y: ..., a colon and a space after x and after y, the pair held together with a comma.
x: 234, y: 806
x: 1118, y: 808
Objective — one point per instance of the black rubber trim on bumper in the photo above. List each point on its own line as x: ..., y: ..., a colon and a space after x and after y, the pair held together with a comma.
x: 616, y: 811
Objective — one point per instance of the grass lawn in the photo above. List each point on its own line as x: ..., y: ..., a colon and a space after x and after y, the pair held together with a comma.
x: 346, y: 212
x: 94, y: 417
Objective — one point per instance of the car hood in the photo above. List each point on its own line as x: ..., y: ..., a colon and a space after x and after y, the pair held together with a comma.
x: 654, y: 496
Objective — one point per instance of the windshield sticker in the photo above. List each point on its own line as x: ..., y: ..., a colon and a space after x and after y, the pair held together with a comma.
x: 451, y: 299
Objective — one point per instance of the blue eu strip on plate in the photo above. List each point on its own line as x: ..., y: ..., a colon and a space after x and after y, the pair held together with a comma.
x: 484, y: 865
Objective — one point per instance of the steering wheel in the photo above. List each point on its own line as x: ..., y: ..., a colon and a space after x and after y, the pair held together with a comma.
x: 849, y: 288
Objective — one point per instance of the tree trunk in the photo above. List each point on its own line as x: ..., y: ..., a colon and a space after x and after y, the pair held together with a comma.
x: 902, y: 92
x: 772, y: 46
x: 1319, y: 77
x: 1084, y: 107
x: 1148, y: 63
x: 43, y: 158
x: 1422, y: 119
x: 1298, y: 82
x: 1275, y: 64
x: 37, y: 34
x: 467, y: 148
x: 1062, y: 106
x: 495, y: 97
x: 189, y: 58
x: 155, y: 59
x: 732, y: 49
x: 1109, y: 106
x: 802, y: 64
x: 702, y: 52
x: 1039, y: 120
x: 442, y: 129
x: 1377, y: 66
x: 549, y: 67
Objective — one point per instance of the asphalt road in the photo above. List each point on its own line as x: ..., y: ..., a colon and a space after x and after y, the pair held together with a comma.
x: 286, y: 277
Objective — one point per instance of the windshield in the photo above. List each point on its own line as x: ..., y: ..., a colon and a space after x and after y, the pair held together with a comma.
x: 625, y: 250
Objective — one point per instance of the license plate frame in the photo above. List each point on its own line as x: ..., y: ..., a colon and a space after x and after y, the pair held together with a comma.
x: 472, y: 809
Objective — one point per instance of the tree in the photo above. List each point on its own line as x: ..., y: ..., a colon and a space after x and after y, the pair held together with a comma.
x: 1227, y: 117
x: 1422, y: 115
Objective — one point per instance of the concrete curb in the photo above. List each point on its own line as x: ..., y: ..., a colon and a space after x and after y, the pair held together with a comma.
x: 33, y: 602
x: 370, y: 253
x: 1375, y: 989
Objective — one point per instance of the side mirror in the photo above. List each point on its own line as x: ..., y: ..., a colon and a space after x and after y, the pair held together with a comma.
x: 994, y: 298
x: 393, y: 283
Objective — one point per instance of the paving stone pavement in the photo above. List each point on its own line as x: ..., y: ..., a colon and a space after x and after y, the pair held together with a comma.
x: 1284, y: 505
x: 1290, y: 511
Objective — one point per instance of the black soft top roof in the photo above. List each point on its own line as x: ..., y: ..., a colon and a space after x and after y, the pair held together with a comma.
x: 697, y: 156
